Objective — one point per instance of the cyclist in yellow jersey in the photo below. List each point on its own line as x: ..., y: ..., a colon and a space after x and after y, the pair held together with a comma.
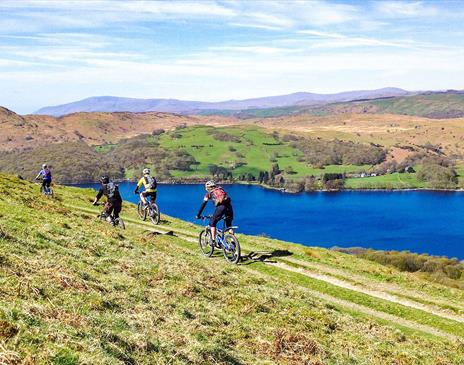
x: 150, y: 185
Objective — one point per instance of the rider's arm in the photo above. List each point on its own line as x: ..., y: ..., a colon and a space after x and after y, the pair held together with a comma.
x: 139, y: 185
x: 203, y: 205
x: 98, y: 196
x: 39, y: 175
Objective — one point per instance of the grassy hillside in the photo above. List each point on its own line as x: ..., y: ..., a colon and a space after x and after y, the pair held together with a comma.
x: 185, y: 152
x: 77, y: 291
x: 242, y: 151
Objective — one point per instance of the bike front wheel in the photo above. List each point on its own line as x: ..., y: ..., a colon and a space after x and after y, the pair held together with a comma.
x: 154, y: 214
x: 231, y: 249
x: 142, y: 212
x: 205, y: 243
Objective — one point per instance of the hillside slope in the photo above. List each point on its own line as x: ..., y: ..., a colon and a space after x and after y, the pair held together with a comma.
x: 75, y: 290
x: 29, y: 131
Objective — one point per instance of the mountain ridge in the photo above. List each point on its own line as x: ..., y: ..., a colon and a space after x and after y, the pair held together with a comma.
x: 171, y: 105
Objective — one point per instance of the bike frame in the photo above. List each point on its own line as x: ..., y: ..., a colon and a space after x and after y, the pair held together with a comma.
x: 220, y: 234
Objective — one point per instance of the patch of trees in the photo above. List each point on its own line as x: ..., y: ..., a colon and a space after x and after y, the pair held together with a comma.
x: 448, y: 271
x: 220, y: 172
x: 438, y: 176
x: 318, y: 152
x: 219, y: 135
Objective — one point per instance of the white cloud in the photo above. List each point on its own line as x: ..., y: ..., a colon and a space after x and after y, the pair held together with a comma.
x: 406, y: 9
x: 57, y: 51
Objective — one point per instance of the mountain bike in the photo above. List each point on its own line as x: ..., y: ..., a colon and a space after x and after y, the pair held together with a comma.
x: 151, y: 210
x: 115, y: 222
x: 46, y: 190
x: 225, y: 240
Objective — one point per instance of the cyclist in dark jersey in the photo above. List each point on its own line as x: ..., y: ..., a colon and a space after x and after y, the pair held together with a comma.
x: 223, y: 205
x: 113, y: 198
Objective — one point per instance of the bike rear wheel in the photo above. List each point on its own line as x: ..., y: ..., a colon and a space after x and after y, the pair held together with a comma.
x: 142, y: 212
x: 232, y: 254
x: 204, y: 241
x: 154, y: 213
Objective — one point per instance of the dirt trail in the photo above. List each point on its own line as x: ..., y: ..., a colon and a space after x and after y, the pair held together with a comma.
x: 372, y: 293
x: 360, y: 283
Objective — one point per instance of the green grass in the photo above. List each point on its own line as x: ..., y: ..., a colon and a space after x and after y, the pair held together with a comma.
x: 389, y: 181
x: 257, y: 147
x: 74, y: 290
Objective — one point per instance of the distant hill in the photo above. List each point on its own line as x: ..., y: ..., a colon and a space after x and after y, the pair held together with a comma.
x: 436, y: 105
x: 433, y: 104
x: 119, y: 104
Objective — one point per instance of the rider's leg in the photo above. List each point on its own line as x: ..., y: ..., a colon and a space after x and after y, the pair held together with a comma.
x: 108, y: 210
x: 143, y: 199
x: 216, y: 217
x: 213, y: 233
x: 117, y: 209
x: 229, y: 216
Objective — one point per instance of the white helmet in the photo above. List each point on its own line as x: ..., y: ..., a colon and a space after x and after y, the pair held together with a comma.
x: 44, y: 165
x: 210, y: 184
x: 146, y: 171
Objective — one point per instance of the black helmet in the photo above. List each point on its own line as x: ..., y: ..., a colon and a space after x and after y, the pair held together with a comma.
x: 104, y: 179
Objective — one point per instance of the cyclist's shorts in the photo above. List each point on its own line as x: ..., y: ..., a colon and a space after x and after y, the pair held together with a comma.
x: 151, y: 194
x: 222, y: 211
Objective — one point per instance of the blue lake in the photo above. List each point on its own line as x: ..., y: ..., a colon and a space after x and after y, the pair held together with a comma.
x: 418, y: 221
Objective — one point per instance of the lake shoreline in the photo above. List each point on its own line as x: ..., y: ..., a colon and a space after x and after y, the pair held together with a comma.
x: 275, y: 188
x: 421, y: 221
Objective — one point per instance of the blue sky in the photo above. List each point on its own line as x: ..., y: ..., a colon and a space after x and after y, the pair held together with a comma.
x: 53, y: 52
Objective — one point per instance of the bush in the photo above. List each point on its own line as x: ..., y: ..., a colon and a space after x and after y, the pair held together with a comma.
x: 442, y: 269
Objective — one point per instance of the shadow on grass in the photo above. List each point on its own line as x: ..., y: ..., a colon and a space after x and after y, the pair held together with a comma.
x: 263, y: 256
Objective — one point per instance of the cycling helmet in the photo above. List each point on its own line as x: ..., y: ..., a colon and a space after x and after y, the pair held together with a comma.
x: 105, y: 179
x: 146, y: 171
x: 210, y: 184
x: 44, y: 166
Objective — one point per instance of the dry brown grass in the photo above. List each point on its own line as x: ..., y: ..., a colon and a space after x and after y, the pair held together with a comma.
x: 296, y: 348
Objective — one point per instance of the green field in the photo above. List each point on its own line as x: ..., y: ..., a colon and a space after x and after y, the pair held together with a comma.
x: 256, y: 148
x: 75, y: 290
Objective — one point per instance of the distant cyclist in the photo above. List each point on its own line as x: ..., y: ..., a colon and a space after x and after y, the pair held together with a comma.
x: 46, y: 176
x: 113, y: 198
x: 223, y: 205
x: 150, y: 185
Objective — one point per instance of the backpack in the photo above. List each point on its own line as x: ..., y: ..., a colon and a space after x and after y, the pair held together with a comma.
x: 219, y: 195
x: 151, y: 182
x: 47, y: 174
x: 111, y: 190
